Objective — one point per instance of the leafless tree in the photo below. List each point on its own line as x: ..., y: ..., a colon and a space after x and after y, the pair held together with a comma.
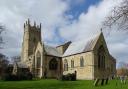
x: 122, y: 69
x: 15, y: 59
x: 2, y: 28
x: 3, y: 64
x: 118, y: 16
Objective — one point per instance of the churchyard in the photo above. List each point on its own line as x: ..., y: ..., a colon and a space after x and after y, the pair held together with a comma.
x: 57, y: 84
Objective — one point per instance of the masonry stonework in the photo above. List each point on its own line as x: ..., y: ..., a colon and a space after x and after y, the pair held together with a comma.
x: 89, y: 59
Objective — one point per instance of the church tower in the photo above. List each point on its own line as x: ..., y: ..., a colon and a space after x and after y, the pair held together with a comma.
x: 32, y: 35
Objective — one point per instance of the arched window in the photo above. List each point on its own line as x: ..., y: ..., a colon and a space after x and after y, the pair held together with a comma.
x: 65, y: 65
x: 38, y: 60
x: 81, y: 61
x: 101, y: 57
x: 53, y: 64
x: 72, y: 64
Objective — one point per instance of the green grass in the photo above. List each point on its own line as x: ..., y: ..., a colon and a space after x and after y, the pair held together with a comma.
x: 56, y: 84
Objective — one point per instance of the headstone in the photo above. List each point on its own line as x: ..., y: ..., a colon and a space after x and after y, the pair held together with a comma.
x: 106, y: 81
x: 102, y: 82
x: 96, y: 82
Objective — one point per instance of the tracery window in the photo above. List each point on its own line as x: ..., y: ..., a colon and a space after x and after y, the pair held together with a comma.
x: 53, y: 64
x: 101, y: 57
x: 38, y: 60
x: 81, y: 61
x: 72, y: 64
x: 65, y: 65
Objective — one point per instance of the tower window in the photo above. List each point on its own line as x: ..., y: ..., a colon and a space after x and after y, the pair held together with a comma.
x: 34, y: 40
x: 38, y: 60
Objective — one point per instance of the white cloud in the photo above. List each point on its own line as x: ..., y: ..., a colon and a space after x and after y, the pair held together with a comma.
x: 51, y: 13
x: 90, y: 23
x: 87, y: 23
x: 15, y: 12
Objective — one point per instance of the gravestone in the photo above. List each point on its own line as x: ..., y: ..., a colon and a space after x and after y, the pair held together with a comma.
x: 106, y: 81
x: 96, y: 82
x: 102, y: 82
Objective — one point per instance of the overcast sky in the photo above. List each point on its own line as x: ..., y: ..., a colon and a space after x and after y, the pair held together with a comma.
x: 62, y: 20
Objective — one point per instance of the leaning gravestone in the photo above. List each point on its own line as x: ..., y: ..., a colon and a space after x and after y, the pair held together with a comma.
x: 96, y: 82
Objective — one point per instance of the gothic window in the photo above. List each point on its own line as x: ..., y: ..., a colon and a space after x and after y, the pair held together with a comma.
x: 65, y: 65
x: 111, y: 67
x: 81, y: 61
x: 72, y: 64
x: 101, y: 57
x: 53, y: 64
x: 38, y: 60
x: 34, y: 40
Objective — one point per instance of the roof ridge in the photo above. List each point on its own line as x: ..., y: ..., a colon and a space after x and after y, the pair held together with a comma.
x: 82, y: 46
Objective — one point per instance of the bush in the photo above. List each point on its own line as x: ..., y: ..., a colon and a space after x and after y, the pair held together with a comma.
x: 25, y: 76
x: 21, y: 76
x: 69, y: 77
x: 9, y: 77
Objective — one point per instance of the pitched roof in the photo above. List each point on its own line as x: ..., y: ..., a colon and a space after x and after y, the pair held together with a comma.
x: 52, y: 51
x: 81, y: 46
x: 112, y: 58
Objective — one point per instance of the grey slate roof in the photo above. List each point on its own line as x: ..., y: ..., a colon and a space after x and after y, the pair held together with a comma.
x: 81, y: 46
x: 52, y: 51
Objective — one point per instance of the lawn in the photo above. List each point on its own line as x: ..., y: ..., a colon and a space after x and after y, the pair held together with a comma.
x: 56, y: 84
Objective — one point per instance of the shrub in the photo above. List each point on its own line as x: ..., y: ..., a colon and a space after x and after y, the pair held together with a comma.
x: 21, y: 76
x: 69, y: 77
x: 9, y: 77
x: 25, y: 76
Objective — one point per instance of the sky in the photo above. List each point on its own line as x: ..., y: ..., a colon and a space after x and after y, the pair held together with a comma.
x: 62, y: 21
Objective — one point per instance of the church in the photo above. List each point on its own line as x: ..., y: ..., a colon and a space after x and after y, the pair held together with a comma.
x: 89, y: 59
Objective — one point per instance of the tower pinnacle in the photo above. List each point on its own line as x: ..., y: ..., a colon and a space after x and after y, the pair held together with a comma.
x: 101, y: 30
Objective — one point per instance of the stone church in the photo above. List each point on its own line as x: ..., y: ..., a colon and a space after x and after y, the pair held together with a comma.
x: 90, y: 58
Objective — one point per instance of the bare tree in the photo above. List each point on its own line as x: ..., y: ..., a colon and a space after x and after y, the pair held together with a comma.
x: 2, y: 28
x: 122, y: 69
x: 3, y: 64
x: 15, y: 59
x: 118, y: 16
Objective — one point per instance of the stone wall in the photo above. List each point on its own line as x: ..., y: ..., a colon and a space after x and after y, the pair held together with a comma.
x: 85, y: 72
x: 52, y: 73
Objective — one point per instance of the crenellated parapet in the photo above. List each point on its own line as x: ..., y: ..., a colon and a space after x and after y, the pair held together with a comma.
x: 28, y: 25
